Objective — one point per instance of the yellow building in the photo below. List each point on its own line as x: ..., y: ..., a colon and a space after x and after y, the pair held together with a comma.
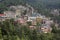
x: 18, y: 12
x: 38, y: 19
x: 34, y: 22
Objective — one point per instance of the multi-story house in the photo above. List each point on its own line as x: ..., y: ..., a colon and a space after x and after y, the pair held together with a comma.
x: 48, y: 22
x: 55, y: 12
x: 21, y: 21
x: 2, y: 17
x: 10, y: 14
x: 46, y: 28
x: 35, y: 18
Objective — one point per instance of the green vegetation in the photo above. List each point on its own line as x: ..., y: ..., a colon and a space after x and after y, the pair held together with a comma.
x: 38, y: 4
x: 10, y: 30
x: 4, y: 4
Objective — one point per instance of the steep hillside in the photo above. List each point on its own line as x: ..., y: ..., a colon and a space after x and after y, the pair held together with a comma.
x: 46, y: 3
x: 43, y: 6
x: 4, y: 4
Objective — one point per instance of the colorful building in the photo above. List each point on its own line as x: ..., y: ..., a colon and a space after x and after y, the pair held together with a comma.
x: 2, y: 17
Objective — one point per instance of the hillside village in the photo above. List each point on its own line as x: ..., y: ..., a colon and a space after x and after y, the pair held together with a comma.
x: 25, y: 14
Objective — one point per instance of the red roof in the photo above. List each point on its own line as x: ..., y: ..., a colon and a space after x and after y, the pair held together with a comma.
x: 2, y: 14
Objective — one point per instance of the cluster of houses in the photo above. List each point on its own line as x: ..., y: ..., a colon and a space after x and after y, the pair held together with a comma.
x: 55, y: 12
x: 24, y: 14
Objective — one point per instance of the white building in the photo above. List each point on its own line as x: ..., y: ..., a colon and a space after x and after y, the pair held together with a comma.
x: 10, y: 14
x: 55, y: 12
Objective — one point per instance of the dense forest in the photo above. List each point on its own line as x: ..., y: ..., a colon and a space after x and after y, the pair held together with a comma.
x: 39, y: 4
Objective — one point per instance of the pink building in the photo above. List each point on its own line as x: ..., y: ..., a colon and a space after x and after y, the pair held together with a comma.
x: 22, y: 21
